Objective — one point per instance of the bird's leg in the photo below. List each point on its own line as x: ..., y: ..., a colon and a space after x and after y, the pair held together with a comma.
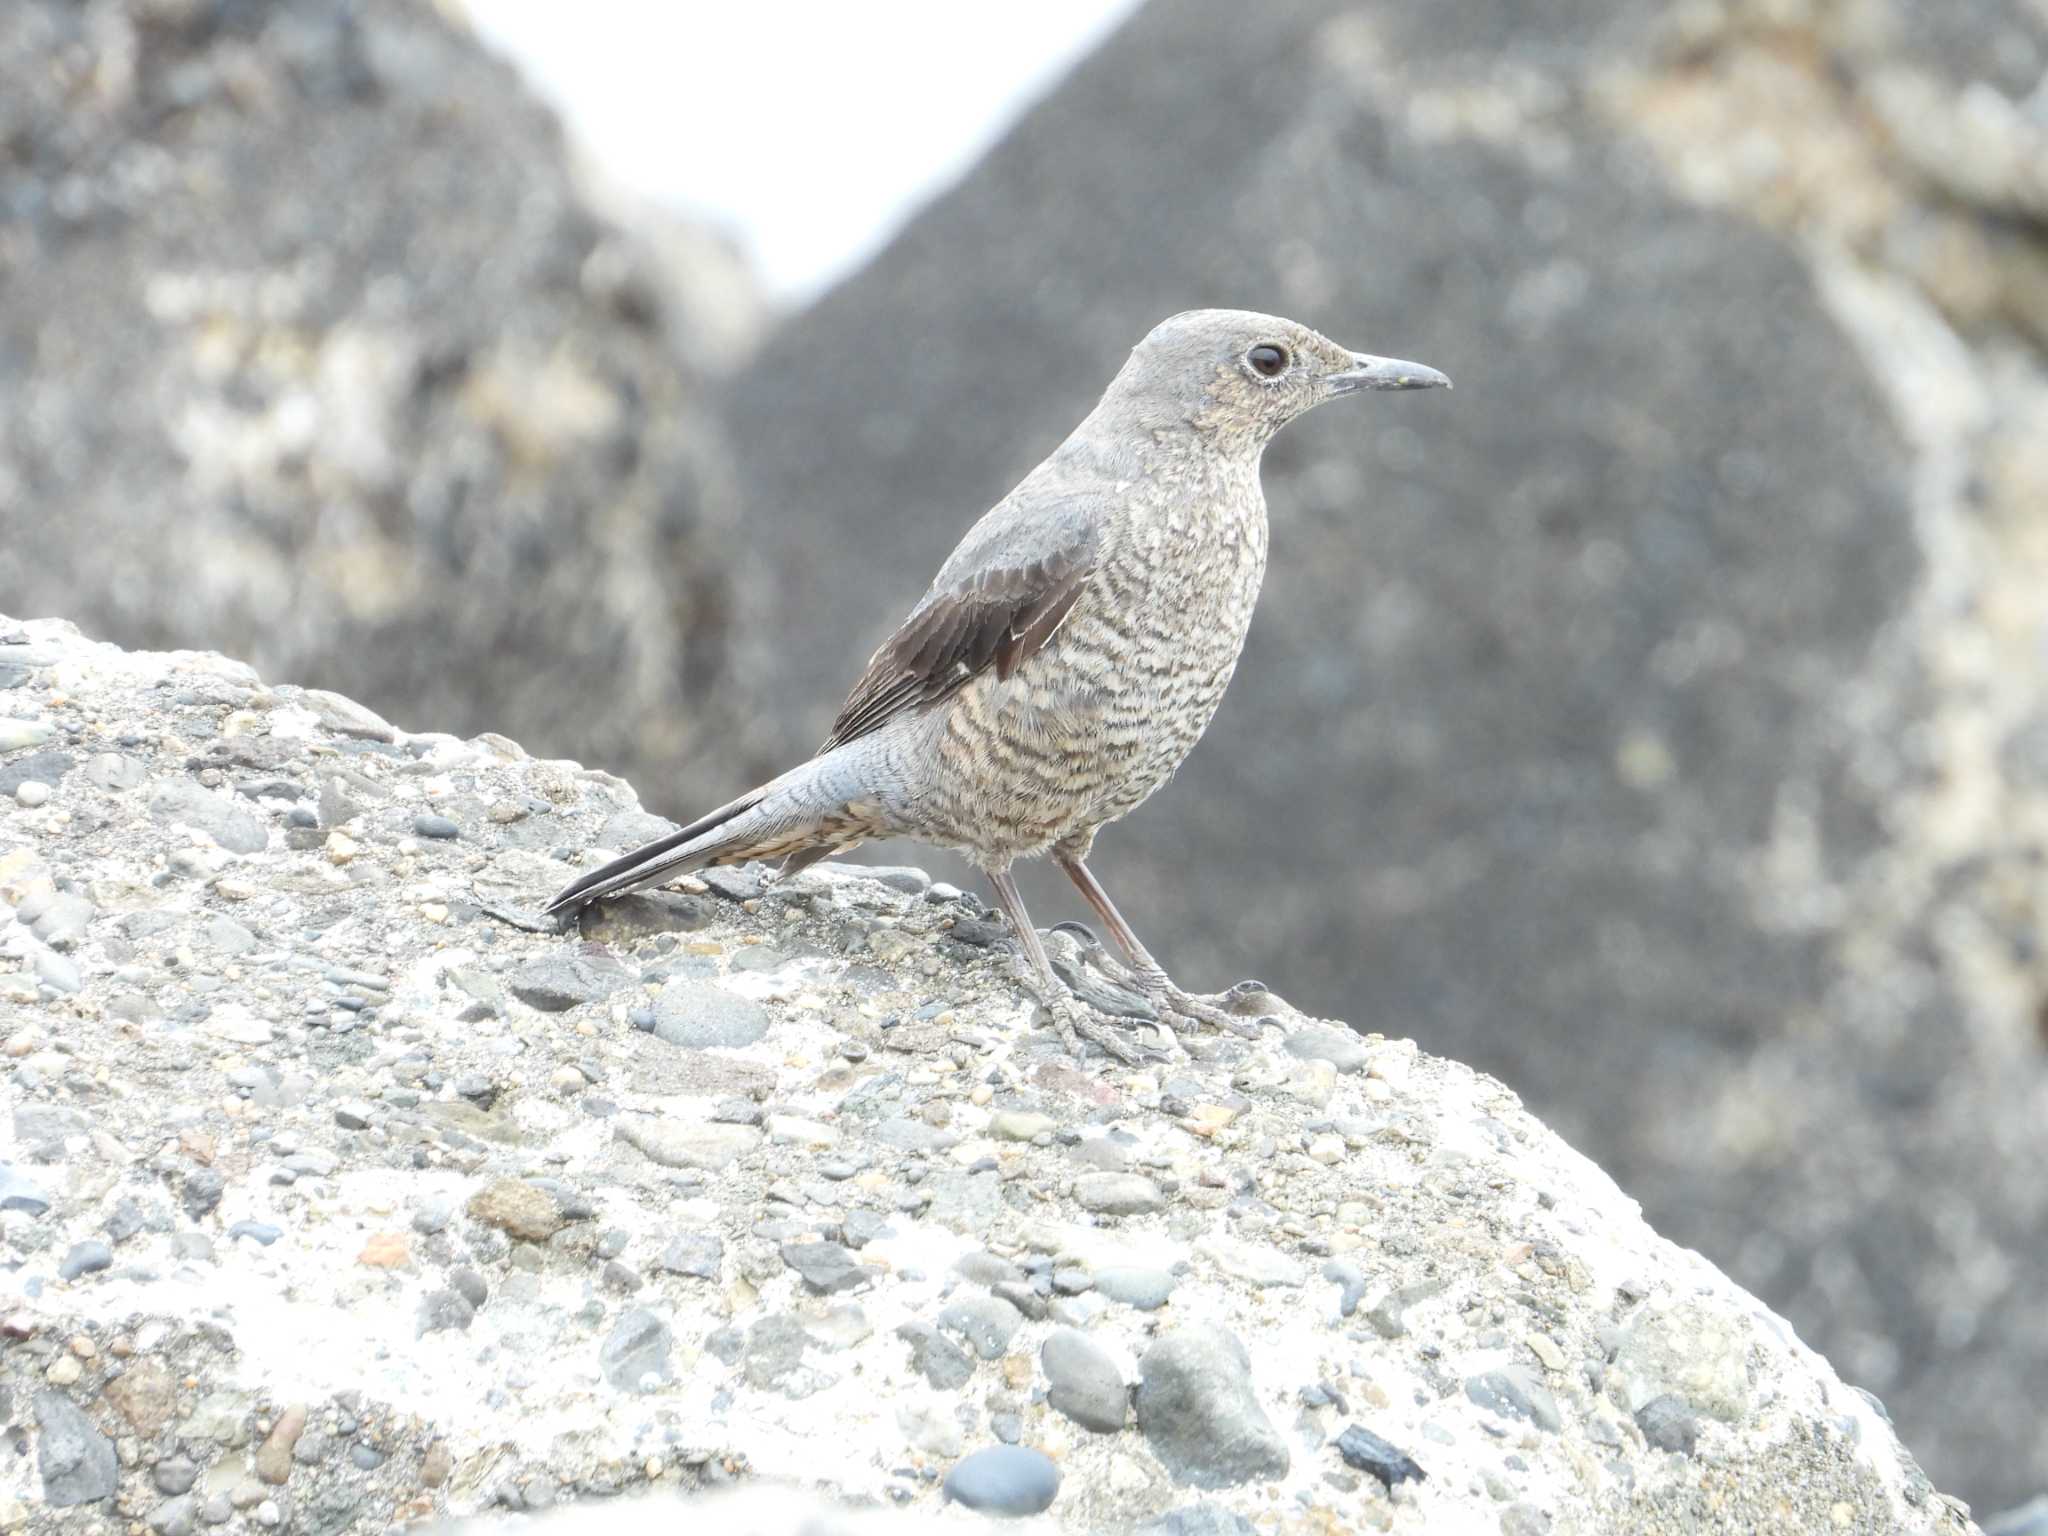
x: 1152, y: 977
x: 1073, y: 1019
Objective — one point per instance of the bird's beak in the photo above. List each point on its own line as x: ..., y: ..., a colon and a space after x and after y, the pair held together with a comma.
x: 1368, y: 372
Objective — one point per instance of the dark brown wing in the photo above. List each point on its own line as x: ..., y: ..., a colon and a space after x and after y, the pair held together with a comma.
x: 999, y: 618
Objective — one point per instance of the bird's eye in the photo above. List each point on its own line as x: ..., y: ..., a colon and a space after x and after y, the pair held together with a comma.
x: 1268, y: 360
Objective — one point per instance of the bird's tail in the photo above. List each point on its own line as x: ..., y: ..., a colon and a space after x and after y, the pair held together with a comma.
x: 804, y: 815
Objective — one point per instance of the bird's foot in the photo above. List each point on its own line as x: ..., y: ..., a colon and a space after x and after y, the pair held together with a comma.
x: 1234, y: 1012
x: 1075, y: 1022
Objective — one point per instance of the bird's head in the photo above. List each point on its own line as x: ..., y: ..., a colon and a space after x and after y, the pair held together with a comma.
x: 1244, y: 376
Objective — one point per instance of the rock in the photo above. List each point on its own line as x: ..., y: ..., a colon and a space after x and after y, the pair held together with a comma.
x: 699, y: 1014
x: 18, y: 1192
x: 1366, y: 1451
x: 85, y: 1258
x: 444, y: 1311
x: 1457, y: 842
x: 1134, y: 1285
x: 1667, y: 1424
x: 986, y: 1322
x: 1339, y: 1047
x: 144, y: 1395
x: 1253, y: 1263
x: 1004, y: 1480
x: 1084, y: 1383
x: 698, y: 1254
x: 1200, y: 1414
x: 709, y: 1147
x: 1200, y: 1520
x: 1020, y: 1125
x: 827, y: 1268
x: 1690, y: 1352
x: 935, y: 1357
x: 181, y: 802
x: 518, y: 1208
x: 76, y: 1461
x: 174, y: 1474
x: 1516, y: 1392
x: 1117, y: 1194
x: 561, y: 980
x: 636, y: 1349
x: 273, y: 1460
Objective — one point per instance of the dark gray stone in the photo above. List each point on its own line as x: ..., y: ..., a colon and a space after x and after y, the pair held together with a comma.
x: 175, y: 1517
x: 637, y: 1347
x: 443, y: 1311
x: 935, y: 1357
x: 1669, y: 1424
x: 700, y: 1013
x: 428, y: 825
x: 774, y: 1351
x: 75, y: 1459
x: 174, y: 1474
x: 1084, y: 1383
x: 1366, y: 1451
x: 826, y: 1268
x: 1198, y: 1412
x: 568, y: 978
x: 1004, y: 1480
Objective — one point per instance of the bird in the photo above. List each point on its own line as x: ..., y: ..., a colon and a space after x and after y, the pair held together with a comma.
x: 1069, y: 653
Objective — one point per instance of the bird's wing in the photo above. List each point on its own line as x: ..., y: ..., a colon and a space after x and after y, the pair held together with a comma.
x: 1002, y: 596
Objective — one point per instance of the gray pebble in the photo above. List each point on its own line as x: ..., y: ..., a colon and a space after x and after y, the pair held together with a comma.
x: 637, y: 1348
x: 1200, y: 1520
x: 259, y: 1231
x: 75, y: 1459
x: 1118, y: 1194
x: 445, y: 1311
x: 183, y: 802
x: 698, y: 1014
x: 175, y: 1517
x: 20, y: 1193
x: 1004, y: 1480
x: 1515, y: 1391
x: 935, y: 1357
x: 1145, y: 1289
x: 1085, y: 1384
x: 58, y: 972
x: 562, y: 979
x: 986, y: 1322
x: 435, y: 826
x: 1668, y: 1423
x: 469, y: 1285
x: 174, y: 1474
x: 1339, y: 1047
x: 697, y: 1254
x: 1199, y: 1413
x: 218, y: 1510
x: 1366, y: 1451
x: 85, y: 1258
x: 826, y: 1268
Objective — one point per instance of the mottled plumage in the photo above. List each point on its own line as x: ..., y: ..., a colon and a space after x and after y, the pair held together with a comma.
x: 1070, y: 652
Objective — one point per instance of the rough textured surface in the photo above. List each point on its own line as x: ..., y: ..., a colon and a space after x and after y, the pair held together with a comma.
x: 312, y: 349
x: 403, y: 1133
x: 1664, y: 726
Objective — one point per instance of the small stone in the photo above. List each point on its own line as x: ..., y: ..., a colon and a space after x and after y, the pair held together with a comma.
x: 935, y: 1357
x: 144, y: 1395
x: 826, y: 1268
x: 1199, y: 1413
x: 184, y: 802
x: 1118, y: 1194
x: 18, y: 734
x: 560, y: 980
x: 32, y: 793
x: 469, y: 1285
x: 1004, y: 1480
x: 986, y: 1322
x: 700, y: 1255
x: 680, y: 1144
x: 1339, y: 1047
x: 435, y: 826
x: 1256, y: 1264
x: 519, y: 1209
x: 1134, y: 1286
x: 174, y: 1474
x: 273, y: 1459
x: 88, y: 1257
x: 436, y: 1465
x: 353, y: 1115
x: 1668, y: 1423
x: 700, y: 1014
x: 1020, y: 1125
x: 1516, y: 1391
x: 1366, y: 1451
x: 637, y: 1349
x: 1085, y: 1384
x: 76, y: 1461
x: 175, y: 1517
x: 18, y: 1192
x: 444, y: 1311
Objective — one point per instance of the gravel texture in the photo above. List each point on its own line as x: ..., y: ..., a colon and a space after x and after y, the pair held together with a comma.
x: 324, y: 1214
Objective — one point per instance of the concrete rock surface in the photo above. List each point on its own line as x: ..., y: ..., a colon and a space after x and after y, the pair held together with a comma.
x: 1659, y: 721
x: 405, y: 1133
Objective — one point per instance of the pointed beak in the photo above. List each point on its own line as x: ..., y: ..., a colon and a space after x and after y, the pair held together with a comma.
x: 1368, y: 372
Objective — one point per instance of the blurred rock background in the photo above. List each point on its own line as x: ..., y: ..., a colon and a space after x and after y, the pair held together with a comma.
x: 1659, y: 721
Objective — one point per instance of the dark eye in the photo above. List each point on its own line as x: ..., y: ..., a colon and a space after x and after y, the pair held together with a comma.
x: 1268, y: 360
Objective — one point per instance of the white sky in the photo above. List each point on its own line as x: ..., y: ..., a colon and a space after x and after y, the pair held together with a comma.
x: 809, y: 130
